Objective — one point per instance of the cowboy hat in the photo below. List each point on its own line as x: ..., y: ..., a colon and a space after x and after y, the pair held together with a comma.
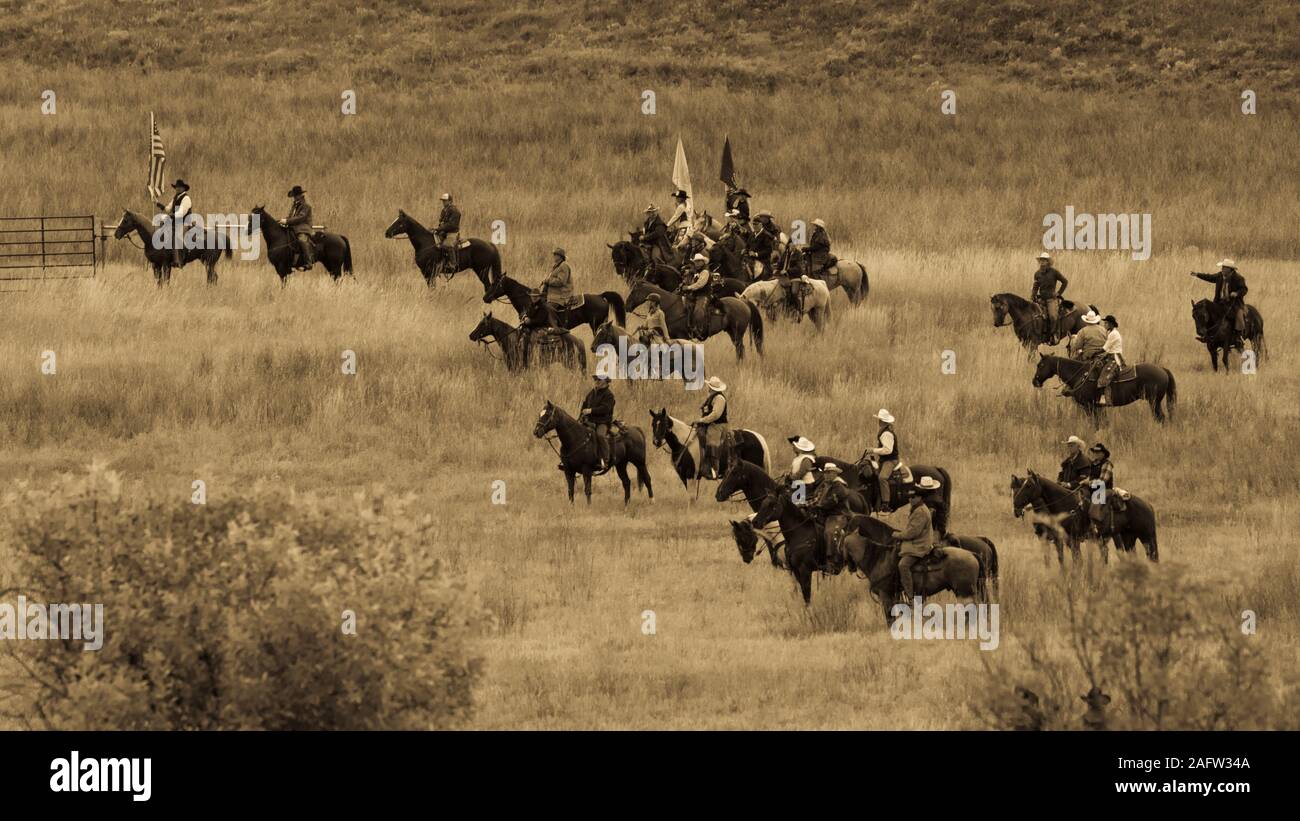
x: 1111, y: 319
x: 181, y: 184
x: 699, y: 258
x: 1100, y: 448
x: 928, y: 483
x: 653, y: 298
x: 1045, y: 255
x: 651, y: 208
x: 680, y: 194
x: 831, y: 467
x: 763, y: 213
x: 559, y: 252
x: 802, y: 444
x: 1074, y: 440
x: 819, y: 223
x: 1091, y: 318
x: 740, y: 192
x: 1227, y: 263
x: 601, y: 378
x: 445, y: 197
x: 713, y: 383
x: 885, y: 416
x: 295, y: 191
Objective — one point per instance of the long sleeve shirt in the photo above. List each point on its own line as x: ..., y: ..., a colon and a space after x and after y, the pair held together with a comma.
x: 1114, y: 342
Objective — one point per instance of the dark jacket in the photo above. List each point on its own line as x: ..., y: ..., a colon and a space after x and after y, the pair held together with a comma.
x: 765, y: 239
x: 1228, y: 285
x: 299, y: 218
x: 449, y: 220
x: 1074, y: 469
x: 740, y: 204
x: 599, y: 405
x: 1045, y: 283
x: 655, y: 232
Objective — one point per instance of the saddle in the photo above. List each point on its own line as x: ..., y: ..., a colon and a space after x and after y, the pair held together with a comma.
x: 1126, y: 374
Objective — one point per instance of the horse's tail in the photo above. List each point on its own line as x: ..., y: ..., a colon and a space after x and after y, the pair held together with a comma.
x: 947, y: 490
x: 615, y: 301
x: 1171, y: 396
x: 864, y: 286
x: 347, y: 257
x: 755, y: 327
x: 495, y: 262
x: 579, y: 350
x: 767, y: 454
x: 991, y: 572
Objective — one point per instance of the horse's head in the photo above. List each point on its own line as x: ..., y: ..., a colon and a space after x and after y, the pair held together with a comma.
x: 1202, y: 315
x: 661, y: 424
x: 496, y: 289
x: 626, y: 257
x: 483, y: 329
x: 773, y: 506
x: 125, y: 225
x: 1024, y: 492
x: 746, y: 540
x: 999, y: 306
x: 605, y: 335
x: 546, y: 421
x: 399, y: 226
x: 1045, y: 370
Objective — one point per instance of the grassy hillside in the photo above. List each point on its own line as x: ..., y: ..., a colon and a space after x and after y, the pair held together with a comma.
x: 1070, y: 44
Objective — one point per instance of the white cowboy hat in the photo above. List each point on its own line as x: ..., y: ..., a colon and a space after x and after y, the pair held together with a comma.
x: 445, y: 197
x: 1227, y: 263
x: 1091, y: 318
x: 1074, y: 440
x: 699, y: 258
x: 1045, y: 255
x: 819, y: 223
x: 885, y: 416
x: 831, y: 467
x: 763, y: 213
x: 732, y: 213
x: 651, y: 208
x: 713, y: 383
x: 928, y: 483
x: 802, y: 444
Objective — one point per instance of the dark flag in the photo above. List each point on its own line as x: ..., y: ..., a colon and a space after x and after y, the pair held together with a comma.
x: 728, y: 172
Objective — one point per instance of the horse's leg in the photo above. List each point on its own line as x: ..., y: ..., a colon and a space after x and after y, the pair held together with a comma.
x: 738, y: 339
x: 586, y: 485
x: 621, y: 468
x: 803, y: 574
x: 1149, y: 542
x: 568, y: 478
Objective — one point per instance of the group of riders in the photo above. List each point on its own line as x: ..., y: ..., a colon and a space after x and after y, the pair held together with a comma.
x: 1098, y: 341
x: 1091, y: 475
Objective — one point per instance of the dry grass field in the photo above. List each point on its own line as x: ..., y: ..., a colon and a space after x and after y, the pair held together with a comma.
x: 243, y: 382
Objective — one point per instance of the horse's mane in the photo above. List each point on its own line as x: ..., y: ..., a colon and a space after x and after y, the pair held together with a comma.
x: 750, y: 469
x: 1012, y: 299
x: 414, y: 223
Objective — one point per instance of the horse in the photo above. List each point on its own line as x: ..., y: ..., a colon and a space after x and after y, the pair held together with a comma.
x: 478, y: 255
x: 705, y: 224
x: 1028, y: 321
x: 849, y: 276
x: 631, y: 263
x: 1218, y: 335
x: 609, y: 332
x: 578, y: 452
x: 517, y: 345
x: 738, y: 316
x: 1153, y: 383
x: 684, y: 447
x: 729, y: 263
x: 871, y: 486
x: 161, y: 260
x: 754, y: 482
x: 670, y: 279
x: 807, y: 296
x: 592, y: 312
x: 802, y: 534
x: 947, y: 568
x: 333, y: 250
x: 1064, y: 508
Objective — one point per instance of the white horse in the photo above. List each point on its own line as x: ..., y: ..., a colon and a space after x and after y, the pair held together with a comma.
x: 811, y: 297
x: 684, y: 445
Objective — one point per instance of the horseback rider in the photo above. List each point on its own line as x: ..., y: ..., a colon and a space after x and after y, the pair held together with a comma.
x: 804, y: 467
x: 1087, y: 346
x: 829, y: 503
x: 1100, y: 469
x: 738, y: 201
x: 697, y: 281
x: 1111, y: 359
x: 1047, y: 295
x: 711, y: 427
x: 1230, y: 293
x: 178, y: 210
x: 766, y: 237
x: 734, y: 236
x: 819, y: 250
x: 680, y: 223
x: 299, y: 222
x: 914, y: 541
x: 448, y: 234
x: 654, y: 236
x: 654, y: 328
x: 598, y: 414
x: 930, y: 490
x: 557, y: 288
x: 1076, y: 466
x: 884, y: 456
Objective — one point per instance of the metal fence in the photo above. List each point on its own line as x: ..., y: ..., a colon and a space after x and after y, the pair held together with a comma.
x: 46, y: 248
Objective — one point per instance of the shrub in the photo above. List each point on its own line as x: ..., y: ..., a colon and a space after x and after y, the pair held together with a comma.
x: 229, y: 615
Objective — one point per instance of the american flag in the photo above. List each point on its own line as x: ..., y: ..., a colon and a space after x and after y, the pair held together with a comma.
x: 157, y: 159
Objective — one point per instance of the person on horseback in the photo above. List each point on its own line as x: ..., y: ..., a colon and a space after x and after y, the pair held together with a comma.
x: 738, y: 201
x: 766, y: 237
x: 1047, y: 295
x: 734, y: 236
x: 1086, y: 346
x: 654, y: 328
x: 654, y: 237
x: 697, y: 282
x: 914, y: 541
x: 299, y: 222
x: 711, y: 427
x: 884, y: 456
x: 930, y: 490
x: 1076, y: 465
x: 680, y: 224
x: 598, y: 414
x: 178, y: 210
x: 819, y: 250
x: 1111, y: 359
x: 829, y: 501
x: 557, y: 288
x: 1101, y: 470
x: 804, y: 467
x: 1229, y: 292
x: 448, y: 233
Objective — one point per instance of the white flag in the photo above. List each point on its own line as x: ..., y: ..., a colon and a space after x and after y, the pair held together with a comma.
x: 682, y: 175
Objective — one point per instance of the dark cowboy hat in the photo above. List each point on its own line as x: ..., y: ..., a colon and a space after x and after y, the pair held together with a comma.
x: 602, y: 379
x: 559, y: 252
x: 296, y: 191
x: 680, y: 194
x: 740, y: 192
x: 181, y: 184
x: 1111, y: 319
x: 1100, y: 448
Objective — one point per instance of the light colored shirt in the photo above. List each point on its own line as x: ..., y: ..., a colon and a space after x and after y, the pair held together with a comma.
x: 801, y: 468
x: 719, y: 404
x: 183, y: 207
x: 1114, y: 342
x: 886, y: 443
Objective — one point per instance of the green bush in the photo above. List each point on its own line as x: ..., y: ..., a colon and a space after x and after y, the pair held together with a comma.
x: 230, y: 615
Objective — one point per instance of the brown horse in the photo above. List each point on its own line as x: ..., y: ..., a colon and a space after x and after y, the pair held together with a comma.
x: 738, y: 315
x: 159, y: 257
x: 1151, y: 382
x: 946, y: 568
x: 478, y: 255
x: 333, y: 250
x: 578, y: 452
x: 522, y: 349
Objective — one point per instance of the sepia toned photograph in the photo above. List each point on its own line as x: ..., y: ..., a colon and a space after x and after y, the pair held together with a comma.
x: 560, y: 365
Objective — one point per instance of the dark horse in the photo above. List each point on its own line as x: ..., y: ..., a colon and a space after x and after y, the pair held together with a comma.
x: 871, y: 488
x: 1067, y: 523
x: 521, y: 349
x: 630, y: 262
x: 670, y: 279
x: 1151, y: 382
x: 730, y: 264
x: 1028, y: 321
x: 332, y: 250
x: 738, y: 316
x: 684, y: 446
x: 215, y: 243
x: 578, y: 451
x: 751, y: 480
x: 1136, y: 523
x: 593, y: 311
x: 1216, y: 332
x: 480, y: 256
